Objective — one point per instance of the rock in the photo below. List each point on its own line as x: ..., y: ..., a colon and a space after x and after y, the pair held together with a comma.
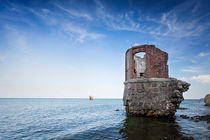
x: 203, y: 118
x: 182, y: 108
x: 207, y: 100
x: 197, y: 118
x: 186, y: 138
x: 184, y: 116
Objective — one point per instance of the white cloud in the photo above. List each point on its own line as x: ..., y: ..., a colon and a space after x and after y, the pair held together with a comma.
x: 201, y: 78
x: 193, y: 61
x: 121, y: 21
x: 75, y: 13
x: 46, y: 15
x: 75, y: 31
x: 81, y: 32
x: 181, y: 21
x: 124, y: 22
x: 183, y: 78
x: 136, y: 44
x: 10, y: 16
x: 191, y: 70
x: 204, y: 54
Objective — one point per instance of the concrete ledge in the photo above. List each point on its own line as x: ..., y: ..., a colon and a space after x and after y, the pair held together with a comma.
x: 146, y: 80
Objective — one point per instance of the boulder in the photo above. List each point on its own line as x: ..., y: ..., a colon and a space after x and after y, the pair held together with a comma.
x: 186, y: 138
x: 207, y: 100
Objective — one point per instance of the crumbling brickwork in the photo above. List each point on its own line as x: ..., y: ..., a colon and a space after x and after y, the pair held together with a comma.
x: 155, y: 60
x: 148, y: 89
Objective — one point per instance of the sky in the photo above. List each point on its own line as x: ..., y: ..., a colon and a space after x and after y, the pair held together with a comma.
x: 76, y: 48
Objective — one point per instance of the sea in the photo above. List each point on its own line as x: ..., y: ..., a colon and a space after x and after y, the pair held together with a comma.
x: 99, y: 119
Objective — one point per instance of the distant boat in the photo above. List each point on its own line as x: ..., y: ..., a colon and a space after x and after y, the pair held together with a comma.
x: 91, y: 97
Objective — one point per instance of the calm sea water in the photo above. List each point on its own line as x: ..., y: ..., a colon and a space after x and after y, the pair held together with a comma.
x: 98, y: 119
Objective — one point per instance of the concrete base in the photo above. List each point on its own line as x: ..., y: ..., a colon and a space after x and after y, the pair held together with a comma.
x: 153, y: 96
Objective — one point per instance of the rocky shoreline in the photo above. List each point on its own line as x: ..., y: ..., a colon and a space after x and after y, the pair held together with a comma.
x: 197, y: 118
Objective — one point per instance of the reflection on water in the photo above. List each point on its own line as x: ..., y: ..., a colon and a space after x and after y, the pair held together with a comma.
x: 150, y: 128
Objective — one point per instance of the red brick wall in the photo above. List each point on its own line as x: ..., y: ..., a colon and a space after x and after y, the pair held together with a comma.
x: 156, y: 62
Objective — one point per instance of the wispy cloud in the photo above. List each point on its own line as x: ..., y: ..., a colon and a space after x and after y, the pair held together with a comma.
x: 194, y: 61
x: 82, y: 33
x: 75, y: 13
x: 66, y: 20
x: 75, y: 31
x: 121, y: 21
x: 45, y: 15
x: 124, y: 22
x: 181, y: 21
x: 191, y: 69
x: 201, y: 78
x: 204, y: 54
x: 13, y: 13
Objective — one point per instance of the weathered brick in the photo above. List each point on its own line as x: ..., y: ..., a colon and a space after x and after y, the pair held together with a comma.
x: 153, y: 93
x: 155, y: 59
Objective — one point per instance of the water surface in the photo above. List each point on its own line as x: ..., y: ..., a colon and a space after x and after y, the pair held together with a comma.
x: 97, y: 119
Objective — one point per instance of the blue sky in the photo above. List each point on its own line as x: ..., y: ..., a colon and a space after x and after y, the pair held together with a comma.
x: 76, y: 48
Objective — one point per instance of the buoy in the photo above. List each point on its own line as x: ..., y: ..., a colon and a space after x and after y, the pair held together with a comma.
x: 91, y: 97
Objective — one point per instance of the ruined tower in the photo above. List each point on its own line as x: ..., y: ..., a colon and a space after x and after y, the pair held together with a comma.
x: 148, y: 89
x: 152, y: 65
